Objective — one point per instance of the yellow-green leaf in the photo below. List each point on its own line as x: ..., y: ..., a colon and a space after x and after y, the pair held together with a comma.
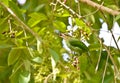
x: 24, y: 77
x: 60, y: 26
x: 37, y: 60
x: 54, y: 55
x: 36, y: 18
x: 14, y: 55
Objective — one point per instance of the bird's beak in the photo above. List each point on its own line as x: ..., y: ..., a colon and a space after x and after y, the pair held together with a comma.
x: 62, y: 35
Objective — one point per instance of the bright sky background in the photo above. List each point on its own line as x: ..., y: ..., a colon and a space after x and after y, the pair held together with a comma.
x: 21, y: 2
x: 106, y: 35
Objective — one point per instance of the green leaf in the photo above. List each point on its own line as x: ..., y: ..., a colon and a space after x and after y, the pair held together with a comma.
x: 2, y: 68
x: 98, y: 23
x: 16, y: 10
x: 16, y: 52
x: 5, y: 46
x: 79, y: 22
x: 24, y: 77
x: 29, y: 53
x: 83, y: 63
x: 4, y: 73
x: 60, y: 26
x: 27, y: 64
x: 14, y: 77
x: 62, y: 13
x: 117, y: 18
x: 36, y: 18
x: 19, y: 33
x: 39, y: 7
x: 18, y: 42
x: 54, y: 55
x: 93, y: 47
x: 114, y: 7
x: 109, y: 79
x: 109, y: 21
x: 89, y: 18
x: 16, y: 68
x: 6, y: 2
x: 37, y: 60
x: 4, y: 19
x: 14, y: 55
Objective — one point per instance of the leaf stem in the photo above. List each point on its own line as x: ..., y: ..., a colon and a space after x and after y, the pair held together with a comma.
x: 105, y: 69
x: 96, y: 69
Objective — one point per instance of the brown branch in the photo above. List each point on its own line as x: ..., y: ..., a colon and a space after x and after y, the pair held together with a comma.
x: 102, y: 8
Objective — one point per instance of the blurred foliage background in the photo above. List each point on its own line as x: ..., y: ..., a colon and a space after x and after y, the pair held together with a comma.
x: 56, y: 41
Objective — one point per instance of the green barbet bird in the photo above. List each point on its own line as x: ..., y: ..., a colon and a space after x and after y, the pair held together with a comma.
x: 75, y: 44
x: 78, y: 44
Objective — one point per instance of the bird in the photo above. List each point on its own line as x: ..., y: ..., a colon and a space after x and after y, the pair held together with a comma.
x: 74, y: 44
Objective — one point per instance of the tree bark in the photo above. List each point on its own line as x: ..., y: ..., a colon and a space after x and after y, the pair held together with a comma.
x: 100, y: 7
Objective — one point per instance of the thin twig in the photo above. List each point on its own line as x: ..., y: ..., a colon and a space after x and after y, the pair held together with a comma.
x: 54, y: 5
x: 46, y: 79
x: 9, y: 25
x: 94, y: 11
x: 105, y: 69
x: 115, y: 77
x: 79, y: 11
x: 67, y: 7
x: 65, y: 80
x: 25, y: 34
x: 115, y: 40
x: 96, y: 69
x: 102, y: 8
x: 114, y: 68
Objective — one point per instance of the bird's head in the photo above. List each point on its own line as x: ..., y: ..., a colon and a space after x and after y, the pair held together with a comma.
x: 65, y: 36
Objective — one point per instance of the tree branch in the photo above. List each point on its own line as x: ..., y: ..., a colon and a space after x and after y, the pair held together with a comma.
x: 102, y: 8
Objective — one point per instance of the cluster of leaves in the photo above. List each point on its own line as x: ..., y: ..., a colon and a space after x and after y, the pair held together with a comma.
x: 36, y: 55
